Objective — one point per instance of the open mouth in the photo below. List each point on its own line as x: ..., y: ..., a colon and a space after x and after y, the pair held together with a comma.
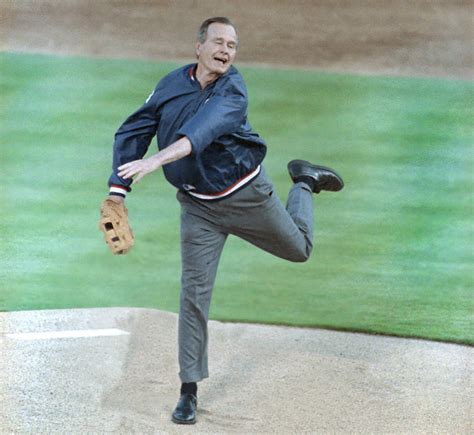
x: 220, y: 60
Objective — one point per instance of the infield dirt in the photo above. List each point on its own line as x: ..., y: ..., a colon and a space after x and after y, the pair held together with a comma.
x: 264, y: 379
x: 432, y: 38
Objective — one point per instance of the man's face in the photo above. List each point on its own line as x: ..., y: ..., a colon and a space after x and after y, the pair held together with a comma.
x: 217, y: 53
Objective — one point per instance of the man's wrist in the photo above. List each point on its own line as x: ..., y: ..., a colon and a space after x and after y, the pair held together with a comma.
x: 156, y: 161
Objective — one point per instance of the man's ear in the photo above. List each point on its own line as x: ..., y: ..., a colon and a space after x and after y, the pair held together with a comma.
x: 197, y: 48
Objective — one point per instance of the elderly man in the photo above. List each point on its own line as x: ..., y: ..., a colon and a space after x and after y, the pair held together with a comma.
x: 210, y: 153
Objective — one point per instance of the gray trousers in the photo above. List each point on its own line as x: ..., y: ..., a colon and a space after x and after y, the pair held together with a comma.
x: 254, y: 214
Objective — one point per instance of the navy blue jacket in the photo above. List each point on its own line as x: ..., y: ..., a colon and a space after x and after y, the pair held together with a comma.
x: 224, y: 146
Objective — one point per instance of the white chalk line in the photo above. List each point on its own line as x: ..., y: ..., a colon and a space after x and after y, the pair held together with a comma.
x: 48, y: 335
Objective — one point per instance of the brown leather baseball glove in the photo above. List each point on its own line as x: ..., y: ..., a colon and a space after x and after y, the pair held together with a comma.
x: 114, y: 224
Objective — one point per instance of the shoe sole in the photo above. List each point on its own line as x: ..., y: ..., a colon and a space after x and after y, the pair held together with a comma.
x: 175, y: 420
x: 305, y: 162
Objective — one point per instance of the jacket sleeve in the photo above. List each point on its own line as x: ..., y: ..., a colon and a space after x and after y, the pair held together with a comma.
x: 223, y: 113
x: 133, y: 138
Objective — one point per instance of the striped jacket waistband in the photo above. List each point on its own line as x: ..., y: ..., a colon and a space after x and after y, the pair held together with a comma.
x: 231, y: 189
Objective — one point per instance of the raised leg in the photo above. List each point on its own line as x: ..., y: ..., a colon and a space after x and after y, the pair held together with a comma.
x: 257, y: 215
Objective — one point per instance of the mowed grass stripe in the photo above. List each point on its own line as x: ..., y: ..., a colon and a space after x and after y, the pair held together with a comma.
x: 393, y: 250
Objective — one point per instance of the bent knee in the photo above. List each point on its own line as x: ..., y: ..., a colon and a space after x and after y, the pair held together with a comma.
x: 300, y: 259
x: 301, y: 256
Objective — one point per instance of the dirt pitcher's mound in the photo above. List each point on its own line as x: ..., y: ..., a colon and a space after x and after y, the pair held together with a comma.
x: 410, y: 37
x: 115, y: 370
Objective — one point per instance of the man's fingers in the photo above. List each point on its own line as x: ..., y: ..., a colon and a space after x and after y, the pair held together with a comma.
x: 129, y: 171
x: 124, y: 174
x: 132, y: 172
x: 127, y: 174
x: 127, y: 165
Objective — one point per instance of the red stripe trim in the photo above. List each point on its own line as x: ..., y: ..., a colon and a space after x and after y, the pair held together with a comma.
x: 191, y: 73
x: 121, y: 187
x: 229, y: 188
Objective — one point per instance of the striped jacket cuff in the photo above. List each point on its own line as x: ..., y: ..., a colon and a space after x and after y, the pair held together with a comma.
x: 122, y: 191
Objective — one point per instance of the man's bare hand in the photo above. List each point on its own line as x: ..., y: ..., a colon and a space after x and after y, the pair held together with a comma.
x: 137, y: 169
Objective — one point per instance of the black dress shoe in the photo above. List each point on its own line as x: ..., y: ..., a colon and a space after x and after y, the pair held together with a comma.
x: 185, y: 411
x: 324, y: 178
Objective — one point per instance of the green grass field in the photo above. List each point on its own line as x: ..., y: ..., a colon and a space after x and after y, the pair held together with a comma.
x: 393, y: 251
